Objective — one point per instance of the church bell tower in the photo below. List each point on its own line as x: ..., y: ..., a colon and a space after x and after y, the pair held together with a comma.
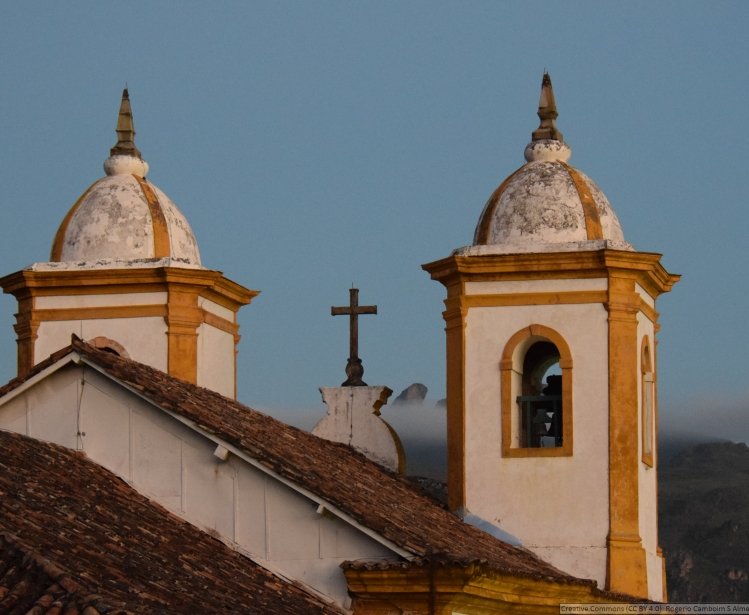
x: 125, y: 275
x: 551, y: 372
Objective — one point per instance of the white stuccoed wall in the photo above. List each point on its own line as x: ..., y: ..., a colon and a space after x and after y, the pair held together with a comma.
x: 176, y: 466
x: 217, y: 352
x: 146, y: 342
x: 557, y: 506
x: 216, y: 360
x: 353, y: 418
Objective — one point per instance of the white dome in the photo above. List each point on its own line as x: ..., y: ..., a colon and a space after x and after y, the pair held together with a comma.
x: 123, y: 219
x: 547, y: 205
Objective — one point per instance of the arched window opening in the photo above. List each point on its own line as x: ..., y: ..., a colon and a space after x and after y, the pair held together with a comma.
x: 536, y: 398
x: 540, y: 403
x: 109, y: 345
x: 647, y: 384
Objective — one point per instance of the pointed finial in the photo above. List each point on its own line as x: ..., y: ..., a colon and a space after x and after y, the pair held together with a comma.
x: 547, y: 113
x: 125, y: 145
x: 124, y: 157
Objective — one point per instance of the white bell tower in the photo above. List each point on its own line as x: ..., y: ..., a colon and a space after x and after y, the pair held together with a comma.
x: 550, y: 324
x: 125, y: 274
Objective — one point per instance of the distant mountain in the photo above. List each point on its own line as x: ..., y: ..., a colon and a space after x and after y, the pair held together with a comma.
x: 670, y: 444
x: 704, y: 522
x: 414, y: 393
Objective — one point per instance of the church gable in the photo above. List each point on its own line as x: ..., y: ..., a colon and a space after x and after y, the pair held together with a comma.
x: 189, y: 473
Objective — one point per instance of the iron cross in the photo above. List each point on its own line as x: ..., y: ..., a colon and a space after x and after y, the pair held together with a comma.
x: 354, y: 367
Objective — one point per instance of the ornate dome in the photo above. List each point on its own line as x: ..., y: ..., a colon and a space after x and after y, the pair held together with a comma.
x: 123, y: 219
x: 547, y: 205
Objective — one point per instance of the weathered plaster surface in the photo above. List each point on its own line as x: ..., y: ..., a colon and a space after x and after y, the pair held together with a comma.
x: 541, y: 204
x: 354, y: 418
x: 115, y: 263
x: 529, y: 245
x: 113, y: 221
x: 122, y: 164
x: 539, y: 208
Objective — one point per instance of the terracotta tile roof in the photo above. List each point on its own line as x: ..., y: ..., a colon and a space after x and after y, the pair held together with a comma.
x: 76, y: 539
x: 30, y: 583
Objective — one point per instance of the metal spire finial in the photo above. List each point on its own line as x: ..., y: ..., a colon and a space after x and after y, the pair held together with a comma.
x: 125, y: 145
x: 547, y: 113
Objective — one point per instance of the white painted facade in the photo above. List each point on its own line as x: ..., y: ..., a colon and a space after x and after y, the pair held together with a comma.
x: 217, y: 351
x: 353, y: 418
x: 216, y: 360
x: 557, y: 506
x: 145, y: 342
x: 194, y: 475
x: 143, y: 337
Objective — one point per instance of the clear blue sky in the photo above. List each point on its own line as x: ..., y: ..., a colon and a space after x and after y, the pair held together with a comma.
x: 313, y: 145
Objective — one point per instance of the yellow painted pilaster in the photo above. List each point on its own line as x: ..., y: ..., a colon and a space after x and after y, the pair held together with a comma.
x: 455, y: 324
x: 26, y: 328
x: 183, y: 319
x: 626, y: 566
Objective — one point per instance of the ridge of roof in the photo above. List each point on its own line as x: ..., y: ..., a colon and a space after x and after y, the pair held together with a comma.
x: 371, y: 495
x: 65, y: 532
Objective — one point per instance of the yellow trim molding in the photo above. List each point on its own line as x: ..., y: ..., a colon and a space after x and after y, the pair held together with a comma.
x: 545, y: 298
x: 181, y: 312
x: 161, y: 244
x: 593, y: 228
x: 484, y: 225
x: 445, y: 589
